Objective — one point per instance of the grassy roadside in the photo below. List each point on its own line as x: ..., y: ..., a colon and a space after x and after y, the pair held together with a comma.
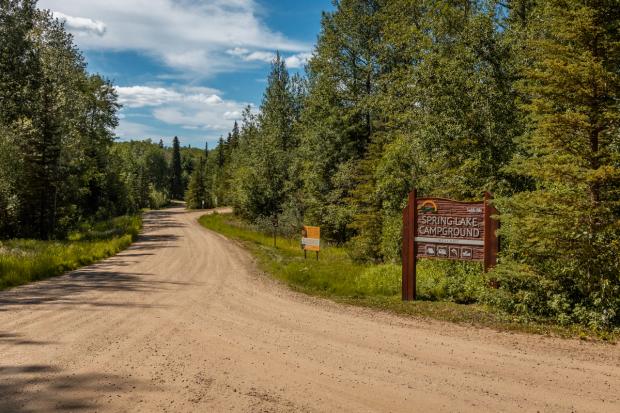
x: 446, y: 290
x: 24, y: 261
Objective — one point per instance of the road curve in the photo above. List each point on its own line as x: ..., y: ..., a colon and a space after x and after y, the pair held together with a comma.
x: 182, y: 322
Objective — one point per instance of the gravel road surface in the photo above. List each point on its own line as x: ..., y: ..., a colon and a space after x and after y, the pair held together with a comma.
x: 183, y: 322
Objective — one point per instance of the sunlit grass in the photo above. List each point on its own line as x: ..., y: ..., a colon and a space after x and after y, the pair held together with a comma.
x: 24, y: 261
x: 446, y: 290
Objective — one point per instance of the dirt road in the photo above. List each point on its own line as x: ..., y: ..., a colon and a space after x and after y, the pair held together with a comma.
x: 183, y: 322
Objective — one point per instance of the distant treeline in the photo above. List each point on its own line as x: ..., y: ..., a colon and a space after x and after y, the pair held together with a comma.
x: 59, y: 165
x: 517, y: 97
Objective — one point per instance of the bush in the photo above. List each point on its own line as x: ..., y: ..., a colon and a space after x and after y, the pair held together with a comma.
x: 436, y: 281
x: 460, y: 282
x: 24, y: 261
x: 157, y: 199
x: 529, y: 295
x: 391, y: 236
x: 384, y: 280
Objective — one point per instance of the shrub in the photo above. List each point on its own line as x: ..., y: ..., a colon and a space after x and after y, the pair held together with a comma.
x: 24, y: 261
x: 460, y: 282
x: 524, y: 292
x: 382, y: 280
x: 157, y: 199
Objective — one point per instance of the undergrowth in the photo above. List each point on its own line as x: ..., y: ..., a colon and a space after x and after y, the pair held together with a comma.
x: 26, y: 260
x: 446, y: 290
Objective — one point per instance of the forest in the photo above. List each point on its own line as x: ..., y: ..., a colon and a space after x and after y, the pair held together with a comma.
x: 452, y: 97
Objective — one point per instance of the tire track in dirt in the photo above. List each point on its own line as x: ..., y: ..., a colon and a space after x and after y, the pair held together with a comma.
x: 182, y: 321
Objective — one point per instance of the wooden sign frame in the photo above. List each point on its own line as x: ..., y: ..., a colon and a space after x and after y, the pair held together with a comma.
x: 480, y: 243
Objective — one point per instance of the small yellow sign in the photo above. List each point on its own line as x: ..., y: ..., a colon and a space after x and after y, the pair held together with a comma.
x: 311, y: 238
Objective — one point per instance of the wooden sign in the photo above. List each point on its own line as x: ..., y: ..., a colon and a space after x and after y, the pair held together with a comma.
x: 438, y: 228
x: 311, y: 238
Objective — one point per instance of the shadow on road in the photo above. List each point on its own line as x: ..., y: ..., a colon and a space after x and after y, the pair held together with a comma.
x: 46, y: 388
x: 165, y: 218
x: 105, y: 276
x: 69, y: 290
x: 13, y: 339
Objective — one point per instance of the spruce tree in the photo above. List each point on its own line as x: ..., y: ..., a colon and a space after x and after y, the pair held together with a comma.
x: 563, y: 250
x: 196, y: 196
x: 269, y: 143
x: 221, y: 153
x: 234, y: 137
x: 54, y: 145
x: 338, y: 119
x: 276, y: 116
x: 176, y: 172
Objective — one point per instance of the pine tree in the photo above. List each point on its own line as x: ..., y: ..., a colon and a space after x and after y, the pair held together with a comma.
x: 197, y: 196
x: 338, y: 118
x: 268, y: 143
x: 221, y: 153
x: 53, y: 147
x: 206, y: 150
x: 234, y: 137
x: 161, y: 143
x: 563, y: 237
x: 276, y: 116
x: 176, y: 177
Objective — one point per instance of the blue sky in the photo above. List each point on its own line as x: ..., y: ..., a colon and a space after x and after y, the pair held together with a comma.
x: 188, y: 67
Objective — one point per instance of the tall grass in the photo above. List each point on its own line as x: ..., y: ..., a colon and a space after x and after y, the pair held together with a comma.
x: 335, y: 274
x: 24, y: 261
x: 446, y: 290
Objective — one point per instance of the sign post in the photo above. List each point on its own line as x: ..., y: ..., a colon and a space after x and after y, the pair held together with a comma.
x: 408, y: 252
x: 439, y: 228
x: 311, y: 240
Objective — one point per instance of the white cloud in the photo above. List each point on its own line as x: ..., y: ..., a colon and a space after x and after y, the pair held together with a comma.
x: 145, y: 96
x: 192, y: 108
x: 298, y: 60
x: 294, y: 61
x: 141, y: 96
x: 266, y: 57
x: 213, y: 99
x: 234, y: 115
x: 238, y: 51
x: 184, y: 34
x: 81, y: 24
x: 133, y: 130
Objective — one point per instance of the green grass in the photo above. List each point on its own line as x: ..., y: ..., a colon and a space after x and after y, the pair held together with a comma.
x: 24, y: 261
x: 446, y: 290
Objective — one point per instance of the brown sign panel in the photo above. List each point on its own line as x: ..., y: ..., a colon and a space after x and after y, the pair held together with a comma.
x: 444, y: 227
x: 440, y: 228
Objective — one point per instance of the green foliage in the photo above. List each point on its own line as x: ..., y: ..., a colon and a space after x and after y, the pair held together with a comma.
x: 59, y: 165
x: 379, y: 280
x: 143, y: 171
x: 336, y: 276
x: 24, y: 261
x: 259, y: 166
x: 56, y: 129
x: 518, y: 98
x: 176, y: 172
x: 198, y: 196
x: 562, y: 259
x: 157, y: 199
x: 451, y: 97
